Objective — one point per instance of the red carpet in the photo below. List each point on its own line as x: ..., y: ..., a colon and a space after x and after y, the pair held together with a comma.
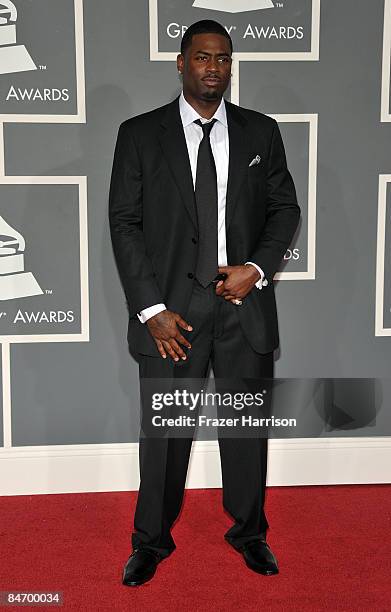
x: 332, y: 544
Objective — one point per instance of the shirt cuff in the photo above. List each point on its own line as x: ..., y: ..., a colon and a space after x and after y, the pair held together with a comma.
x: 258, y: 284
x: 149, y: 312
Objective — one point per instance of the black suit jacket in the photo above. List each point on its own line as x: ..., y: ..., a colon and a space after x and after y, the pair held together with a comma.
x: 153, y: 222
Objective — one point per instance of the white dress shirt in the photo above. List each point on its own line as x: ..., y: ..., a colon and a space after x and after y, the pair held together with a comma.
x: 220, y: 148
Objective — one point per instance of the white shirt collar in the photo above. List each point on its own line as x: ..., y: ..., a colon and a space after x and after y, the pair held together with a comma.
x: 189, y: 114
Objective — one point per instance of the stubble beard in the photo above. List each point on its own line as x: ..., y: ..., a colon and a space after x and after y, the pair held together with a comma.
x: 211, y: 95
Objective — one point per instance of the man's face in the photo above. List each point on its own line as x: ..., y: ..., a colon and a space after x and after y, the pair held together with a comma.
x: 206, y: 66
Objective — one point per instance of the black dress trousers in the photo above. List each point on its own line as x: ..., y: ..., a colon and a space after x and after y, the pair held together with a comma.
x: 216, y: 340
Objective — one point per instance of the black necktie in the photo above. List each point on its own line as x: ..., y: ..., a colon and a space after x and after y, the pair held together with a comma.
x: 206, y: 203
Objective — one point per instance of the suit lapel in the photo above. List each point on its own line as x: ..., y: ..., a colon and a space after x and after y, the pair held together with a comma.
x: 238, y: 158
x: 173, y: 143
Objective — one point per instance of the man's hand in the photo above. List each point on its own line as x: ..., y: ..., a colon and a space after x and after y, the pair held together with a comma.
x: 164, y: 329
x: 239, y: 282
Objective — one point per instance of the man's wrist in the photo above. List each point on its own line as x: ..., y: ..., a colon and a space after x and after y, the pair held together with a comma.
x: 260, y: 282
x: 151, y: 311
x: 255, y: 270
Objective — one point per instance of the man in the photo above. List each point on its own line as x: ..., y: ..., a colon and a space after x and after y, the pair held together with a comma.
x: 202, y: 210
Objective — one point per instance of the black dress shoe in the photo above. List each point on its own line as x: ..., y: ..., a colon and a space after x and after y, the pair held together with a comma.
x: 259, y: 557
x: 140, y: 566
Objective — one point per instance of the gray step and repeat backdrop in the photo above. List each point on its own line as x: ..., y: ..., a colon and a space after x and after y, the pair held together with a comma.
x: 70, y: 72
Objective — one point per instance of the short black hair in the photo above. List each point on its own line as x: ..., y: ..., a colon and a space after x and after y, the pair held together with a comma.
x: 205, y: 26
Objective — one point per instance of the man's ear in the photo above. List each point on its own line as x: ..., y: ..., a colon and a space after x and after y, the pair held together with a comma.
x: 180, y: 60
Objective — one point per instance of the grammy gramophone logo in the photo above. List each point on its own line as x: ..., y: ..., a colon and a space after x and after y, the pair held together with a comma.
x: 13, y: 57
x: 233, y: 6
x: 14, y: 281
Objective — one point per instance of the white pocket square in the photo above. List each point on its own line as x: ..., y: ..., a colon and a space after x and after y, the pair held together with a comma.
x: 254, y: 161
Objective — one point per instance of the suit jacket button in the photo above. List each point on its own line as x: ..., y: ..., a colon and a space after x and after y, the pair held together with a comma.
x: 190, y: 275
x: 194, y: 241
